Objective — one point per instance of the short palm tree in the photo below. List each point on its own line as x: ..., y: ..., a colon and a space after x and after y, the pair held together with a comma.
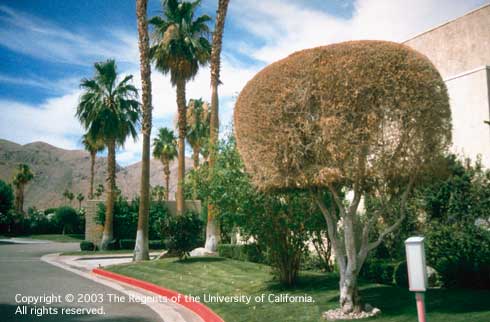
x: 21, y: 178
x: 165, y: 149
x: 93, y: 147
x: 110, y: 112
x: 80, y: 198
x: 197, y: 127
x: 180, y: 47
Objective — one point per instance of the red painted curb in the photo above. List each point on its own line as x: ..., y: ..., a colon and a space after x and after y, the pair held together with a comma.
x: 200, y: 309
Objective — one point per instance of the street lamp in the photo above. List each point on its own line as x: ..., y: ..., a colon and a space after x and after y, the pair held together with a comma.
x: 417, y: 272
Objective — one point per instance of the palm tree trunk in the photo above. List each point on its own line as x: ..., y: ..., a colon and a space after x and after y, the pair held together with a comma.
x: 21, y: 199
x: 166, y: 171
x: 195, y: 158
x: 181, y: 106
x: 212, y: 227
x: 141, y: 251
x: 92, y: 174
x: 108, y: 233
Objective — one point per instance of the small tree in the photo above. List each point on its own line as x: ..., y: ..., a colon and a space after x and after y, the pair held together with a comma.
x: 364, y: 118
x: 67, y: 217
x: 21, y: 178
x: 80, y: 198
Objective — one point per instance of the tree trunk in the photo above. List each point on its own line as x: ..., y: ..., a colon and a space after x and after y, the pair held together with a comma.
x: 166, y: 172
x: 212, y: 227
x: 195, y: 158
x: 21, y: 199
x: 181, y: 107
x: 350, y: 300
x: 17, y: 199
x: 108, y: 233
x: 92, y: 174
x: 141, y: 251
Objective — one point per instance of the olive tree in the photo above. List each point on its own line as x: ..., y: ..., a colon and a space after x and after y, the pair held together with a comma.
x: 361, y: 118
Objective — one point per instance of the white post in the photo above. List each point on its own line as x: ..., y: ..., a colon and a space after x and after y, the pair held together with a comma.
x: 417, y: 272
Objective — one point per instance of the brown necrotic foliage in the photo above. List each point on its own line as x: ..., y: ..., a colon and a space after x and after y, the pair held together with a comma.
x: 361, y: 112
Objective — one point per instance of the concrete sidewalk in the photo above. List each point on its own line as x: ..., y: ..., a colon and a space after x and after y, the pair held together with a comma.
x: 83, y: 265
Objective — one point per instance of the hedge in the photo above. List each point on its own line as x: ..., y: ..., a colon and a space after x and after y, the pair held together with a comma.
x: 248, y: 252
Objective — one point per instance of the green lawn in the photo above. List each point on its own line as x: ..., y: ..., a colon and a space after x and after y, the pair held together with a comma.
x: 67, y: 238
x: 105, y: 252
x: 218, y: 276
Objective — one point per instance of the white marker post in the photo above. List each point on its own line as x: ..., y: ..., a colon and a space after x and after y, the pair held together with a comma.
x: 417, y: 272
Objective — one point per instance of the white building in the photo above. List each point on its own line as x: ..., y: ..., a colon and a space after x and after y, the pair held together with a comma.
x: 460, y: 49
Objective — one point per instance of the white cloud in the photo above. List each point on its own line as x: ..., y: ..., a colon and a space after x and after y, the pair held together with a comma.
x: 286, y: 27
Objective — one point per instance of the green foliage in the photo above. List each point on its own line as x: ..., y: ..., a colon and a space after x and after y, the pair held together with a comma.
x: 6, y: 203
x: 126, y: 218
x: 127, y: 243
x: 67, y: 217
x: 400, y: 275
x: 246, y: 252
x: 156, y: 244
x: 280, y: 222
x: 87, y: 245
x: 460, y: 253
x: 378, y: 270
x: 183, y: 233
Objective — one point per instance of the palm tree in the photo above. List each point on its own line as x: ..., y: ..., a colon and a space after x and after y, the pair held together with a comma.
x: 21, y: 178
x: 80, y: 198
x: 197, y: 127
x: 99, y: 190
x: 158, y: 193
x: 93, y: 147
x: 141, y: 251
x: 180, y: 47
x: 212, y: 227
x: 109, y: 111
x: 165, y: 149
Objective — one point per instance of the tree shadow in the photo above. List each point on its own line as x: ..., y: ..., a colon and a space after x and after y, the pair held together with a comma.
x: 307, y: 282
x: 203, y: 259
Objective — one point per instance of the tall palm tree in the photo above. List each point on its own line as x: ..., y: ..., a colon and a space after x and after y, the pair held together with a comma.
x: 141, y: 251
x: 197, y: 127
x: 165, y: 149
x: 93, y: 147
x: 80, y: 198
x: 180, y: 47
x: 109, y: 111
x: 21, y: 178
x: 212, y: 227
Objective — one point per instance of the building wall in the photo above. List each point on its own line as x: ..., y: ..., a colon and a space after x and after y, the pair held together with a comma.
x: 460, y: 50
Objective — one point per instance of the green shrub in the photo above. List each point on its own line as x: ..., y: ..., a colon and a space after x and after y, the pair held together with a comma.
x: 87, y: 245
x: 378, y: 271
x: 460, y: 253
x: 6, y: 202
x: 156, y: 244
x: 184, y: 233
x: 248, y: 252
x: 400, y: 276
x: 127, y: 243
x: 113, y: 245
x: 68, y: 218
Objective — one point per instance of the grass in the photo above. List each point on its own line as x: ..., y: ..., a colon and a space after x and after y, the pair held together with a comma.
x: 67, y: 238
x: 219, y: 276
x: 104, y: 252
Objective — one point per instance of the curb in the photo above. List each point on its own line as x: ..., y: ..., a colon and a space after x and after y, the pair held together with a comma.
x: 198, y: 308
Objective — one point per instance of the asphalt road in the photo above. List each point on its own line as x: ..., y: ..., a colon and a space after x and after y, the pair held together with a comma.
x: 22, y: 272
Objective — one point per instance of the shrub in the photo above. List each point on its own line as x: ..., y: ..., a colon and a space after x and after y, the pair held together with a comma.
x: 460, y: 253
x: 378, y: 271
x: 87, y: 245
x: 67, y: 217
x: 183, y: 233
x: 156, y: 244
x: 6, y: 200
x: 248, y: 252
x: 400, y: 276
x: 127, y: 243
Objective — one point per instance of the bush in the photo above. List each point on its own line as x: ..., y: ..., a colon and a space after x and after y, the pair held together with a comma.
x: 400, y: 276
x: 460, y: 253
x: 156, y: 244
x: 248, y: 252
x: 68, y: 218
x: 6, y: 202
x: 87, y: 245
x: 378, y: 271
x: 184, y: 233
x: 127, y: 243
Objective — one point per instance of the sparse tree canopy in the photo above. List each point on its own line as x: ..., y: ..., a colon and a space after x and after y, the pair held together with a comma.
x: 366, y: 117
x: 370, y: 109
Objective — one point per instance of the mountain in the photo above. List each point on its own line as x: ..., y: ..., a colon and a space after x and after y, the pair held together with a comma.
x: 57, y: 169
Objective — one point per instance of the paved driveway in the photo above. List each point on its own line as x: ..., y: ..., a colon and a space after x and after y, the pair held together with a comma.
x: 22, y: 272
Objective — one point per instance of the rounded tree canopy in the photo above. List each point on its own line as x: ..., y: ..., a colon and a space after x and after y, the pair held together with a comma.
x: 354, y: 112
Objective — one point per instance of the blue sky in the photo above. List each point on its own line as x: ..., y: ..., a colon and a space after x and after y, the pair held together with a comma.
x: 47, y: 46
